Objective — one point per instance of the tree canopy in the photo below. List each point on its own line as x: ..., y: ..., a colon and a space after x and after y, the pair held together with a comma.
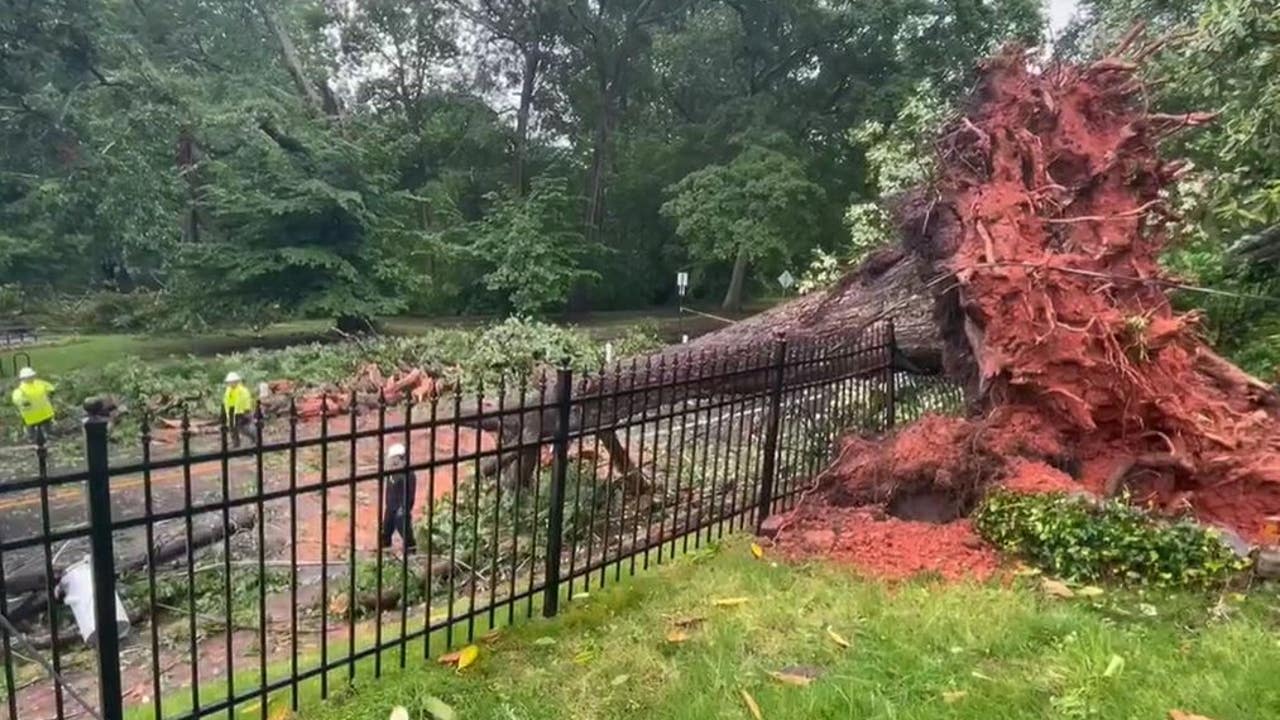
x: 251, y: 160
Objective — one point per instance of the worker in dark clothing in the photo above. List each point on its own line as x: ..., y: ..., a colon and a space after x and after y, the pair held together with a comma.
x: 400, y: 490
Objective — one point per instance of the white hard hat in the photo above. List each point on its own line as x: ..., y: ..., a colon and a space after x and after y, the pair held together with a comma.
x: 396, y: 450
x: 26, y: 373
x: 233, y: 377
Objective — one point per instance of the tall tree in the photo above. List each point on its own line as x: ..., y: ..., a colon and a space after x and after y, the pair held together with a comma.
x: 530, y: 30
x: 754, y: 210
x: 609, y: 39
x: 396, y: 49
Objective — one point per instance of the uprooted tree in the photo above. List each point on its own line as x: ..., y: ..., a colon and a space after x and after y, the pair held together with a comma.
x: 1045, y: 224
x: 1038, y: 242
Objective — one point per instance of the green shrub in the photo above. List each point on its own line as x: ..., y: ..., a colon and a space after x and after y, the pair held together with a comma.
x: 393, y: 583
x: 12, y: 301
x: 1076, y: 538
x: 516, y: 347
x: 638, y: 339
x: 208, y: 590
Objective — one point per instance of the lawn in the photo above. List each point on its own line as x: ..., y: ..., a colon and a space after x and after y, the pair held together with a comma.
x: 915, y: 650
x: 70, y: 353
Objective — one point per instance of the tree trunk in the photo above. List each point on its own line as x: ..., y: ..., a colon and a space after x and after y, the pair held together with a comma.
x: 887, y: 286
x: 187, y: 161
x: 595, y: 177
x: 208, y: 528
x: 733, y: 297
x: 528, y: 83
x: 289, y: 53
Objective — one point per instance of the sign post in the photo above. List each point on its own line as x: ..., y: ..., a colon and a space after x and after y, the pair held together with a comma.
x: 682, y: 286
x: 786, y: 280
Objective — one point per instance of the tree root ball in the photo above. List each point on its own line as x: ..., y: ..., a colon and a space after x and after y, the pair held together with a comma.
x: 1047, y: 220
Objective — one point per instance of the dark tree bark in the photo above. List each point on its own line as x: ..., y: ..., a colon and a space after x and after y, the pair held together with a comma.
x: 888, y: 286
x: 528, y: 84
x: 188, y: 161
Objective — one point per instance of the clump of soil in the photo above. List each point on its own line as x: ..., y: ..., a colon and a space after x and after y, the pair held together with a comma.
x: 887, y: 547
x: 1045, y: 226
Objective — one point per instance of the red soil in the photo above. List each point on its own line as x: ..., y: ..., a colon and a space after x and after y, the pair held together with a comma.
x: 1027, y: 476
x: 889, y: 548
x: 1048, y: 219
x: 1055, y: 185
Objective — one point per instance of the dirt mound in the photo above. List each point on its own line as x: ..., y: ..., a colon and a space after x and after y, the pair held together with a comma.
x: 1047, y: 221
x: 887, y: 547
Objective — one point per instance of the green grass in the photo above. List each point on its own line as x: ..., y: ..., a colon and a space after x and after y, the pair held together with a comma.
x: 71, y: 353
x: 918, y: 650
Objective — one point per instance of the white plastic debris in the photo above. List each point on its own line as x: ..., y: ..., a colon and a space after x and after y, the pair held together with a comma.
x: 77, y: 592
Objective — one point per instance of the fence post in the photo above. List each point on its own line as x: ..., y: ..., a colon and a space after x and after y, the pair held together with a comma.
x: 555, y: 522
x: 770, y: 468
x: 891, y: 381
x: 110, y: 693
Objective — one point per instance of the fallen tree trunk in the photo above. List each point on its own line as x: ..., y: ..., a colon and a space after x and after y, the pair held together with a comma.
x: 206, y: 530
x: 735, y: 360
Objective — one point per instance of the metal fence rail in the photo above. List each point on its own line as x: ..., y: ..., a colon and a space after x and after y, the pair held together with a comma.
x: 254, y: 575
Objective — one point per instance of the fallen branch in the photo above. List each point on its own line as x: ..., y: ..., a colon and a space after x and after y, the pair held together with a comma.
x: 33, y: 584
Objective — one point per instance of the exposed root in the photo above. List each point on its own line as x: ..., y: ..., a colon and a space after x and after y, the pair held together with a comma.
x: 1087, y: 377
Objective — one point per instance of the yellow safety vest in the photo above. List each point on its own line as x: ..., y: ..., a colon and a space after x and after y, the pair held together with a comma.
x: 237, y: 401
x: 32, y: 399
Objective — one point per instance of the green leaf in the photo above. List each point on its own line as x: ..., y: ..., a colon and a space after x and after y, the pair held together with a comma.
x: 438, y: 709
x: 1114, y: 666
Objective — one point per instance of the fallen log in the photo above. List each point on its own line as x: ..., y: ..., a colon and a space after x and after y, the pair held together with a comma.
x: 28, y: 591
x: 734, y: 360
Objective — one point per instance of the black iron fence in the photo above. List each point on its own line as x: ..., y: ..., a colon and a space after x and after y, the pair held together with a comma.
x: 14, y: 363
x: 255, y: 577
x: 17, y: 335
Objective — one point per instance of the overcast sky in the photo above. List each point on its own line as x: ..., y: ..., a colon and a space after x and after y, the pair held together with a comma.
x: 1060, y: 11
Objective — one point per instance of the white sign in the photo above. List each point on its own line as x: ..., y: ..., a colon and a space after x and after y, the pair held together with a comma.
x: 785, y: 280
x: 682, y: 282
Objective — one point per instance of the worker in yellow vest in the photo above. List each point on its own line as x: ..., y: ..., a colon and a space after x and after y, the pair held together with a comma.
x: 237, y: 409
x: 32, y: 399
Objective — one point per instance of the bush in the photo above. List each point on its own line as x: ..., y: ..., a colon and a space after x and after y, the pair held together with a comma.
x: 516, y: 347
x: 1077, y: 539
x: 12, y: 301
x: 507, y: 352
x: 110, y: 312
x: 638, y: 339
x: 208, y: 591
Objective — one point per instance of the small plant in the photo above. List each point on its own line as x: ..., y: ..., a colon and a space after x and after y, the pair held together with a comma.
x: 208, y: 590
x: 1135, y: 337
x: 394, y: 584
x: 1078, y: 539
